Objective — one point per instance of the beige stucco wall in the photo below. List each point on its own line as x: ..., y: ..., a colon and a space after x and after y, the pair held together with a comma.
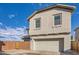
x: 48, y: 27
x: 67, y: 41
x: 47, y: 23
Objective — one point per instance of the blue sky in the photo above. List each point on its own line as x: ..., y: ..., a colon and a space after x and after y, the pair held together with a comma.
x: 13, y: 18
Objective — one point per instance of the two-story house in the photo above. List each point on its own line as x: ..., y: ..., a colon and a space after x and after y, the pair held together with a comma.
x: 50, y: 28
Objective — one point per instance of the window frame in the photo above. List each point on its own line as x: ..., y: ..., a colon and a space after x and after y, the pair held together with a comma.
x: 37, y: 27
x: 60, y: 14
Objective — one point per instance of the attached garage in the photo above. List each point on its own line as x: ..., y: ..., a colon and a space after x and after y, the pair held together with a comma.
x: 56, y: 44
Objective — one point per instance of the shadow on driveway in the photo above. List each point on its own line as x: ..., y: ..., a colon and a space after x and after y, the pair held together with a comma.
x: 70, y: 52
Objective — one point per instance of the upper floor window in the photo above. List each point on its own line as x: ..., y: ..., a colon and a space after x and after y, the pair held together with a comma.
x: 37, y: 22
x: 57, y: 19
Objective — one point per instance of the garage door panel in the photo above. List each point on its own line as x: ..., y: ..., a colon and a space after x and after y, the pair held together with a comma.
x: 48, y: 45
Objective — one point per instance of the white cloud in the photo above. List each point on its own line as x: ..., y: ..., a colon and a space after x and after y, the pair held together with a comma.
x: 11, y: 16
x: 12, y: 33
x: 1, y: 23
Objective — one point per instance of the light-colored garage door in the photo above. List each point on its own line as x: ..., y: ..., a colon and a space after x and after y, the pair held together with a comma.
x: 49, y: 44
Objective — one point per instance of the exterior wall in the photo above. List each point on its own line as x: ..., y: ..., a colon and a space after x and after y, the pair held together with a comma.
x: 47, y: 23
x: 48, y: 27
x: 67, y: 40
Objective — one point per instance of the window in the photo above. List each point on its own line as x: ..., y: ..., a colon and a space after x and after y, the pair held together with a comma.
x: 37, y: 22
x: 57, y: 19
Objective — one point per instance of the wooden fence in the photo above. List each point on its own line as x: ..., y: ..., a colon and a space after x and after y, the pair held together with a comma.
x: 9, y: 45
x: 75, y: 46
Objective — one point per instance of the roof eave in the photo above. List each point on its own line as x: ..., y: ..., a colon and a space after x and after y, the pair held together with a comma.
x: 70, y: 8
x: 76, y: 28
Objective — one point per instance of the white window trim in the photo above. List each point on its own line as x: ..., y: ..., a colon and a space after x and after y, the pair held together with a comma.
x: 35, y: 24
x: 60, y: 19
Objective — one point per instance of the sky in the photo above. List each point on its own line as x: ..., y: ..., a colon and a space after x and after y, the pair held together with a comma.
x: 13, y: 18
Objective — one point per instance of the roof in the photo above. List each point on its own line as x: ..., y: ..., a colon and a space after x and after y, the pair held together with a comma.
x: 67, y: 7
x: 27, y: 28
x: 26, y: 38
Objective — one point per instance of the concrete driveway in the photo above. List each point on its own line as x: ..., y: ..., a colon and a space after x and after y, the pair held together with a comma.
x: 29, y: 52
x: 70, y: 52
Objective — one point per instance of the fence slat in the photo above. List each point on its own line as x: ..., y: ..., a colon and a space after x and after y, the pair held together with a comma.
x: 75, y: 46
x: 9, y: 45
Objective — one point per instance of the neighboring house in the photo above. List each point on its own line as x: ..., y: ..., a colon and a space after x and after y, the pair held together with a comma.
x: 77, y: 34
x: 26, y: 37
x: 50, y: 28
